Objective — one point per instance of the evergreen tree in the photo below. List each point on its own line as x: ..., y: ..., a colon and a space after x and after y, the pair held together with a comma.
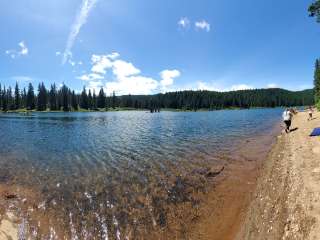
x: 114, y: 100
x: 74, y: 101
x: 317, y: 81
x: 314, y: 10
x: 4, y: 100
x: 94, y: 100
x: 42, y: 98
x: 101, y: 102
x: 65, y: 98
x: 24, y: 98
x: 90, y: 100
x: 30, y: 98
x: 84, y: 99
x: 17, y: 97
x: 53, y: 98
x: 10, y: 99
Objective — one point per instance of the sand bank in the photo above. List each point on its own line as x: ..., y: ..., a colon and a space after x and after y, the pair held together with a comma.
x: 286, y: 203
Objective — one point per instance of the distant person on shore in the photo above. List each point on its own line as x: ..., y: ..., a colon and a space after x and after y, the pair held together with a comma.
x: 287, y: 118
x: 310, y: 113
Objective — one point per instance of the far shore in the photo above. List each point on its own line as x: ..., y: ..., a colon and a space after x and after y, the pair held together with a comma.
x: 120, y: 109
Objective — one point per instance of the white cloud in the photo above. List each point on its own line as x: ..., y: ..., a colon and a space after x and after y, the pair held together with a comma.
x: 124, y: 69
x: 241, y: 87
x: 23, y: 51
x: 90, y: 77
x: 127, y: 78
x: 203, y: 25
x: 133, y: 85
x: 100, y: 63
x: 113, y: 55
x: 272, y: 85
x: 168, y: 76
x: 207, y: 86
x: 214, y: 87
x: 80, y: 20
x: 184, y: 22
x: 95, y: 86
x: 72, y: 63
x: 22, y: 79
x: 58, y: 53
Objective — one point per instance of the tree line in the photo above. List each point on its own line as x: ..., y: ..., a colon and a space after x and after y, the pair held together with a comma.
x: 65, y: 99
x: 314, y: 11
x: 53, y: 99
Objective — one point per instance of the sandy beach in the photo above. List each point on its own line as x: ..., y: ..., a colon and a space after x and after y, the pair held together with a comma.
x: 286, y: 203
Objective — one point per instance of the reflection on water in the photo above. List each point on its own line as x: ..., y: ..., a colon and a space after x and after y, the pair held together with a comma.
x: 116, y: 175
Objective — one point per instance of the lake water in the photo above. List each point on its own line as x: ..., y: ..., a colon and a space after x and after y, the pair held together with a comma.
x: 116, y: 174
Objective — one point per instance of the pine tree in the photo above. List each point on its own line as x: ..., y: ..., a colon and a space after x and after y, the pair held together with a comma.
x: 314, y: 10
x: 17, y: 97
x: 53, y: 98
x: 317, y: 81
x: 10, y: 99
x: 4, y: 100
x: 84, y: 99
x: 24, y: 98
x: 94, y: 100
x: 42, y: 97
x: 30, y: 98
x: 74, y: 101
x: 101, y: 102
x: 90, y: 100
x: 114, y: 100
x: 65, y: 98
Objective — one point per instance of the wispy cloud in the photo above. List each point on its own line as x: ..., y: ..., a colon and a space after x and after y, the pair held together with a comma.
x: 22, y: 79
x: 203, y: 25
x: 184, y: 22
x: 80, y: 20
x: 23, y: 51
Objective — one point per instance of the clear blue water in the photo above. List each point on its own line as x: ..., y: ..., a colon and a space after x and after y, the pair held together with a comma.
x: 101, y: 174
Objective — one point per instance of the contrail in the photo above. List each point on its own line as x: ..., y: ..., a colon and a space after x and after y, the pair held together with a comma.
x: 80, y: 20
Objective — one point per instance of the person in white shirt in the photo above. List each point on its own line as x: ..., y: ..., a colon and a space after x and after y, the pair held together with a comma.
x: 310, y: 112
x: 287, y: 118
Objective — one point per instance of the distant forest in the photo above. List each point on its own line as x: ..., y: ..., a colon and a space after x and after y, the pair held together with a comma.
x: 65, y: 99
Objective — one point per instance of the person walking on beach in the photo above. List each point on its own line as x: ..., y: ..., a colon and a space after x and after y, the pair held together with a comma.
x: 310, y: 113
x: 287, y: 117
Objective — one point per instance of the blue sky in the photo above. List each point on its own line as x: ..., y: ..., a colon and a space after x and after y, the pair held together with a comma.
x: 142, y: 47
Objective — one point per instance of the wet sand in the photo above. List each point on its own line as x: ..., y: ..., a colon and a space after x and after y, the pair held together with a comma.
x: 286, y: 203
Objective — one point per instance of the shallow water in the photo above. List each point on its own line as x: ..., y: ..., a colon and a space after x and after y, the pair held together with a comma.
x: 116, y: 174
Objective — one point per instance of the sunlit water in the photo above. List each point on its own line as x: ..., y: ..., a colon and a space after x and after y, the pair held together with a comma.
x: 115, y: 175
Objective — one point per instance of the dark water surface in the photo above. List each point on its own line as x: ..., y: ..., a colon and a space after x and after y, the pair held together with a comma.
x: 115, y: 175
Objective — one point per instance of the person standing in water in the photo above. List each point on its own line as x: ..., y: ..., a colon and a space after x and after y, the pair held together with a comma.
x: 287, y: 118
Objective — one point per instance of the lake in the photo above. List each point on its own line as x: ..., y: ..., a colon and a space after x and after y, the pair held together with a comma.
x: 116, y: 175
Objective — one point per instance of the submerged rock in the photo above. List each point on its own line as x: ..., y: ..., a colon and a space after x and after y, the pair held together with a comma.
x: 214, y: 171
x: 9, y: 196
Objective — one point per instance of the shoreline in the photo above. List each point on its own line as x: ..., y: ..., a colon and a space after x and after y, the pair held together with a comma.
x: 285, y: 204
x: 120, y: 109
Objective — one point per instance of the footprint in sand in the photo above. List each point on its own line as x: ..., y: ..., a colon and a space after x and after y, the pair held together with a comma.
x: 316, y: 150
